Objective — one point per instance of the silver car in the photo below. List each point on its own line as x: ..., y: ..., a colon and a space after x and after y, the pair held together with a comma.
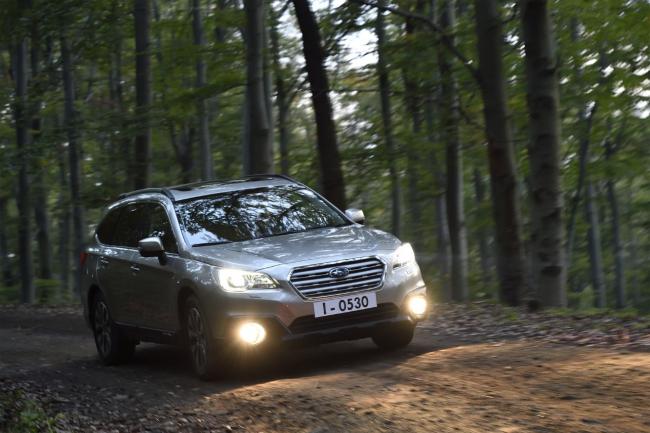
x: 241, y: 265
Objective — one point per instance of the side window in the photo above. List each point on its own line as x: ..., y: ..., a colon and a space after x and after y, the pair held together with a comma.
x: 106, y: 229
x: 161, y: 227
x: 132, y: 226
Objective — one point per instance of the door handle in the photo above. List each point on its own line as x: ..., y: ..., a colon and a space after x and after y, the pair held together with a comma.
x: 102, y: 261
x: 135, y: 269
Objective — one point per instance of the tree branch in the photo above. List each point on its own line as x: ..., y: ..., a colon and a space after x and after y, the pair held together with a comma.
x: 432, y: 25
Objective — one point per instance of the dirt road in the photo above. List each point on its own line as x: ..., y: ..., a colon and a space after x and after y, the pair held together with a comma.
x: 448, y: 380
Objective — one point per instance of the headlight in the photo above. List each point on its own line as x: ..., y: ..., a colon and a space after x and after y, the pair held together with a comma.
x: 235, y: 280
x: 403, y: 255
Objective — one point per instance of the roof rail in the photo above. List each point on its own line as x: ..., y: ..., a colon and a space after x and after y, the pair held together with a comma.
x: 163, y: 191
x: 282, y: 176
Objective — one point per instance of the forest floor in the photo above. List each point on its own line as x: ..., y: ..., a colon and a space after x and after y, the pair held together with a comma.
x: 474, y: 368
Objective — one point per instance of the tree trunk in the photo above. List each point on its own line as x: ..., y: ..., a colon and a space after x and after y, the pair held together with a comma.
x: 387, y: 120
x: 547, y: 238
x: 282, y: 97
x: 481, y: 233
x: 450, y: 114
x: 511, y: 263
x: 617, y: 243
x: 595, y: 248
x: 40, y: 191
x: 74, y: 160
x: 205, y: 146
x: 258, y: 148
x: 64, y: 224
x: 23, y: 198
x: 142, y: 154
x: 5, y: 261
x: 328, y: 152
x: 413, y: 102
x: 442, y: 255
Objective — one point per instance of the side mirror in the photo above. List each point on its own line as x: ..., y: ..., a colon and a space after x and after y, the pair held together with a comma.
x: 152, y: 247
x: 356, y: 215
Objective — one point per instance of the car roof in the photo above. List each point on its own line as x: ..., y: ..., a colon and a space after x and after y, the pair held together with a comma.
x: 200, y: 189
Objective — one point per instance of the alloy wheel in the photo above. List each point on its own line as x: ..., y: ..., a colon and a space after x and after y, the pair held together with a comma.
x: 197, y: 338
x: 102, y: 322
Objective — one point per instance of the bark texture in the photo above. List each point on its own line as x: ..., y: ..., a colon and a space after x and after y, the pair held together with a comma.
x: 282, y: 98
x: 23, y: 198
x: 511, y: 263
x: 450, y: 115
x: 595, y: 246
x: 74, y: 160
x: 329, y: 159
x: 205, y: 145
x: 547, y: 237
x: 617, y: 241
x: 142, y: 155
x: 387, y: 120
x: 258, y: 144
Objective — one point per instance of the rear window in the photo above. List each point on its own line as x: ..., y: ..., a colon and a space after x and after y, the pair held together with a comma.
x: 106, y: 229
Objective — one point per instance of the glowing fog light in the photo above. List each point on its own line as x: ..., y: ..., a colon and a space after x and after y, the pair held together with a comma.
x: 417, y: 305
x: 252, y: 333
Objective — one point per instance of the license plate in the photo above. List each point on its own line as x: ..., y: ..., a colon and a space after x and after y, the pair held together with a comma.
x: 345, y: 305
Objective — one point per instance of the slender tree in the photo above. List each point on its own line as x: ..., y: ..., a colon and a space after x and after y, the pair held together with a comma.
x: 282, y: 98
x: 205, y: 145
x: 547, y: 237
x: 328, y: 152
x: 142, y: 155
x: 387, y: 119
x: 5, y: 261
x: 617, y: 241
x: 41, y: 217
x: 23, y: 198
x: 258, y: 145
x: 501, y: 160
x: 450, y: 115
x: 74, y: 152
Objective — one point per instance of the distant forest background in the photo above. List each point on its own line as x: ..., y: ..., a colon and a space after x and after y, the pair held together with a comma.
x: 506, y: 140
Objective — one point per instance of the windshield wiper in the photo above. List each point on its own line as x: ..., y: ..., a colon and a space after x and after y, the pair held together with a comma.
x: 207, y: 244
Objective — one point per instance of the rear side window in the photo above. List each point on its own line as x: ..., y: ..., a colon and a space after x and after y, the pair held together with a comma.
x: 132, y: 226
x: 106, y: 229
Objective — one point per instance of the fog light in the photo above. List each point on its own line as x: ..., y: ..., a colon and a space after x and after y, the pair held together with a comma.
x: 252, y: 333
x: 417, y: 306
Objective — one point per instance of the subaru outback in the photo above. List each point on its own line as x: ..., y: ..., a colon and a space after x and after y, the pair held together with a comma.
x: 255, y: 262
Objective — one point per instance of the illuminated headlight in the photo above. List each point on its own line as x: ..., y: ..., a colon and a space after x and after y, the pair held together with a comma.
x: 403, y: 255
x: 251, y: 333
x: 236, y: 280
x: 417, y: 306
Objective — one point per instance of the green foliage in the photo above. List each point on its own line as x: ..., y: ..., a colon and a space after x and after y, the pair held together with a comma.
x: 607, y: 66
x: 21, y: 414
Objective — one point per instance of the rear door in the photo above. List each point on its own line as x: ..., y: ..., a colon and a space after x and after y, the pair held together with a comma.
x: 113, y: 262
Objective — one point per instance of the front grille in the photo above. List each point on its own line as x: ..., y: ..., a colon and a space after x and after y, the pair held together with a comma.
x: 314, y: 281
x: 307, y: 324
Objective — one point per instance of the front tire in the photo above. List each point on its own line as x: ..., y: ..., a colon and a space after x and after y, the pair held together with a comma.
x: 201, y: 346
x: 113, y: 347
x: 395, y: 336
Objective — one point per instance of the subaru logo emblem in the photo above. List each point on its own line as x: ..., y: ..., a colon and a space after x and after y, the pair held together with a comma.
x: 339, y: 272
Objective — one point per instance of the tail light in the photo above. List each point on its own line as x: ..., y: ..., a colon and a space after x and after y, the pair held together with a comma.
x: 82, y: 258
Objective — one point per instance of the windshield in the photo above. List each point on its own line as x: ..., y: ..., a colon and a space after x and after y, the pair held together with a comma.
x: 254, y: 213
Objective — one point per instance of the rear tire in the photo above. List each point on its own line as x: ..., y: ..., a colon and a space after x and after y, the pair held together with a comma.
x: 394, y: 336
x: 113, y: 346
x: 200, y: 344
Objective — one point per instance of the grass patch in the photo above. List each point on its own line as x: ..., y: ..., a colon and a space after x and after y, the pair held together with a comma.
x: 20, y: 414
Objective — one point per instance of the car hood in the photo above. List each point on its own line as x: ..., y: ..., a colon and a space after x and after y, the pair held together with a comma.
x: 314, y: 245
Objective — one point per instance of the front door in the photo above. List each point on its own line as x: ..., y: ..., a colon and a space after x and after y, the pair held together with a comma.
x: 154, y: 281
